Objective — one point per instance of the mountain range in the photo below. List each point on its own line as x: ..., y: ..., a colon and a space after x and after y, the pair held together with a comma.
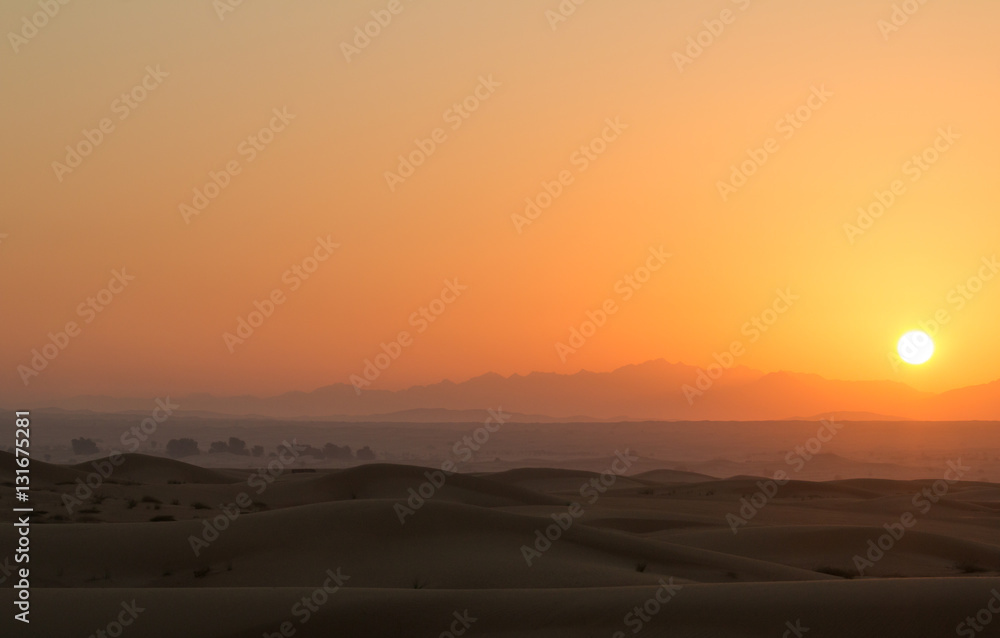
x: 654, y: 390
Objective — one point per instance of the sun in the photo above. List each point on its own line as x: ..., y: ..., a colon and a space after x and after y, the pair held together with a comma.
x: 916, y: 347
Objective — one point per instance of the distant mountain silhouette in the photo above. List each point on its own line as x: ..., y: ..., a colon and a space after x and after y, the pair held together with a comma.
x: 848, y: 416
x: 654, y: 390
x: 971, y: 403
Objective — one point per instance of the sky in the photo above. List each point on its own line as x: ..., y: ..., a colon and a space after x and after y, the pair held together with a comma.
x: 468, y: 183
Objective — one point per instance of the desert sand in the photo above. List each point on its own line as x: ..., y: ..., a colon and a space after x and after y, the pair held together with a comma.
x: 653, y: 552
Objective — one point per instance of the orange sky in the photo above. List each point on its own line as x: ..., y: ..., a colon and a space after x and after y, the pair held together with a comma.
x: 661, y: 139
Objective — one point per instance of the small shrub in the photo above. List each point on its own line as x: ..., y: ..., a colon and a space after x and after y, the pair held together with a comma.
x: 970, y: 568
x: 198, y: 505
x: 84, y: 447
x: 162, y: 519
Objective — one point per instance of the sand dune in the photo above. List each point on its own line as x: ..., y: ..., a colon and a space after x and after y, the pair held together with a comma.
x: 741, y: 486
x: 382, y: 481
x: 918, y: 608
x: 826, y: 548
x: 366, y: 539
x: 556, y: 480
x: 41, y: 472
x: 463, y: 548
x: 672, y: 476
x: 142, y: 468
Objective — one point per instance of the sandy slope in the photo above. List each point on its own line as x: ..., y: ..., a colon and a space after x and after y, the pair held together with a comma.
x: 917, y: 553
x: 365, y: 538
x: 395, y: 482
x: 914, y: 608
x: 463, y: 550
x: 41, y: 472
x: 556, y: 480
x: 142, y: 468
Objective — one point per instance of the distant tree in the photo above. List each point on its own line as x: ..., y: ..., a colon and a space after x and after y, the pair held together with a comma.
x: 218, y: 447
x: 84, y: 446
x: 258, y: 450
x: 238, y: 446
x: 365, y: 454
x: 314, y: 452
x: 334, y: 451
x: 178, y: 448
